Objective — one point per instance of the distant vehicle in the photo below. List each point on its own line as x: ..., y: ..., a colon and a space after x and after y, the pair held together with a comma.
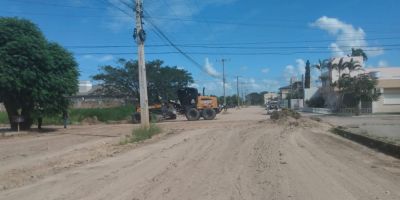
x: 190, y: 104
x: 272, y: 106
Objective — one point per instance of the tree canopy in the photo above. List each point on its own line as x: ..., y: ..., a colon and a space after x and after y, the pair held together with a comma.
x: 36, y: 76
x: 307, y: 83
x: 359, y: 52
x: 123, y: 80
x: 358, y: 88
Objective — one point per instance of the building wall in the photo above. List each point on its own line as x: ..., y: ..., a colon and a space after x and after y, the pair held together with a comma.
x: 389, y: 102
x: 269, y: 96
x: 284, y: 93
x: 310, y: 93
x: 96, y: 102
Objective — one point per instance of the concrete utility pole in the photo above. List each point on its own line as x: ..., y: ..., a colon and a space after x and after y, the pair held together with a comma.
x: 140, y: 37
x: 237, y: 87
x: 223, y: 60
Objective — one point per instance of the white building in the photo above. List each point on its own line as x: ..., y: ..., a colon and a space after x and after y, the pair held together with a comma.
x: 330, y: 75
x: 85, y: 87
x: 270, y: 96
x: 389, y: 87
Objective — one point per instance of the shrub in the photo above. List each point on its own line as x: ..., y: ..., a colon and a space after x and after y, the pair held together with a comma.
x: 316, y: 102
x: 141, y: 134
x: 284, y: 114
x: 3, y: 118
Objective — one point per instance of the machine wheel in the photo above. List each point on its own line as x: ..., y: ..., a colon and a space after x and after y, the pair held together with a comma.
x: 209, y: 114
x: 136, y: 118
x: 192, y: 114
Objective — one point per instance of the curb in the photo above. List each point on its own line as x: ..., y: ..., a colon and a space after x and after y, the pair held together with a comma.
x: 384, y: 147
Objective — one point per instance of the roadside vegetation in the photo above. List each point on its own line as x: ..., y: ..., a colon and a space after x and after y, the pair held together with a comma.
x: 81, y: 115
x: 284, y: 114
x: 36, y: 74
x: 141, y: 134
x: 3, y: 118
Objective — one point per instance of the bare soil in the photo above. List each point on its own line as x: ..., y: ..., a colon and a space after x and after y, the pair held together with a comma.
x: 240, y: 155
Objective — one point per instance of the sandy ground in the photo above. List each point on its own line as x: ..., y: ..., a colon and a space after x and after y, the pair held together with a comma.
x: 241, y: 155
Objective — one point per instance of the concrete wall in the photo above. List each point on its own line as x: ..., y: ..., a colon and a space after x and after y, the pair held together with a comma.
x: 385, y: 105
x: 296, y: 103
x: 310, y: 92
x: 96, y: 102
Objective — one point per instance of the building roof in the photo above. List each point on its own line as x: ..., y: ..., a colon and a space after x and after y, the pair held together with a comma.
x: 385, y: 72
x: 285, y: 87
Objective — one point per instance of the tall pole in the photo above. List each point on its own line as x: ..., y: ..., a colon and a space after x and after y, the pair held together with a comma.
x: 237, y: 87
x: 223, y: 60
x: 140, y: 37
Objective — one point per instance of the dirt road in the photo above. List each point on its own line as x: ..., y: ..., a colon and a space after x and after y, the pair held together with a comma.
x: 241, y: 155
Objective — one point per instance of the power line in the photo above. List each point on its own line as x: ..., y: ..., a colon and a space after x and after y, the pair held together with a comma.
x: 234, y: 43
x: 228, y: 53
x: 259, y: 25
x: 117, y: 7
x: 172, y: 44
x: 229, y: 47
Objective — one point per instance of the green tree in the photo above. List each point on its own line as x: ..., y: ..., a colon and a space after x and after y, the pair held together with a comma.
x: 359, y: 52
x: 162, y: 81
x: 36, y: 76
x: 359, y: 88
x: 307, y: 83
x: 341, y: 66
x: 255, y: 98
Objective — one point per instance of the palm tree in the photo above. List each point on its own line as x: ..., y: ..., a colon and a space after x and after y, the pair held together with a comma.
x: 324, y: 65
x: 359, y: 52
x: 341, y: 82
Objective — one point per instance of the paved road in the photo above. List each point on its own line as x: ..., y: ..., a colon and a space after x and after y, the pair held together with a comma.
x: 376, y: 125
x: 241, y: 155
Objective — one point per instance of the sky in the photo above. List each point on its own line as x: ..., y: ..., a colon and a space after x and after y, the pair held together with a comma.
x: 264, y: 42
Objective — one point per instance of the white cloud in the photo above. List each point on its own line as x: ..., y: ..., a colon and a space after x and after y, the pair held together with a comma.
x: 119, y: 14
x: 295, y: 71
x: 210, y: 70
x: 301, y: 66
x: 106, y: 58
x: 88, y: 56
x: 252, y: 85
x: 383, y: 63
x: 288, y: 72
x: 265, y: 70
x: 347, y: 36
x: 271, y: 85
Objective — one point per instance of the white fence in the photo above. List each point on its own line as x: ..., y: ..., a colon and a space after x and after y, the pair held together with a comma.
x: 318, y: 110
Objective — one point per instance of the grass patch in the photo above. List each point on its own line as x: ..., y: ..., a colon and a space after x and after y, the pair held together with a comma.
x: 141, y: 134
x: 3, y: 118
x: 102, y: 114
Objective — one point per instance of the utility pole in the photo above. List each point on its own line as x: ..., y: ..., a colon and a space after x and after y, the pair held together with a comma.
x: 140, y: 37
x: 237, y: 87
x: 223, y: 60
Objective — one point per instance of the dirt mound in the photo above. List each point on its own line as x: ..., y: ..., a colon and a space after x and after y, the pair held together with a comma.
x: 285, y: 114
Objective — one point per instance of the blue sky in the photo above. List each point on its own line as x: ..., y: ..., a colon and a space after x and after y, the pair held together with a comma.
x: 265, y: 41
